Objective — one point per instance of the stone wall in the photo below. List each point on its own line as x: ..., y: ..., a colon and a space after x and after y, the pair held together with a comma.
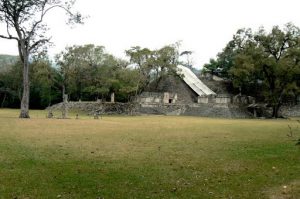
x: 204, y: 110
x: 223, y: 100
x: 158, y: 98
x: 92, y: 108
x: 217, y: 110
x: 193, y: 109
x: 203, y: 100
x: 290, y: 111
x: 243, y: 99
x: 161, y: 109
x: 150, y: 97
x: 219, y: 99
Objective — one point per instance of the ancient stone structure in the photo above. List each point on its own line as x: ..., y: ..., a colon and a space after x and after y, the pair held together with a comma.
x: 112, y: 97
x: 217, y: 99
x: 185, y: 88
x: 194, y: 82
x: 156, y: 97
x: 181, y: 94
x: 185, y: 94
x: 99, y: 108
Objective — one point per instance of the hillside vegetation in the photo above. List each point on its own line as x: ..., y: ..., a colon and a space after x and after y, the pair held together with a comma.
x: 7, y: 60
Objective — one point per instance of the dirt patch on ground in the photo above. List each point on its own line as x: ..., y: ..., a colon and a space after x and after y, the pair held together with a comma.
x: 288, y: 191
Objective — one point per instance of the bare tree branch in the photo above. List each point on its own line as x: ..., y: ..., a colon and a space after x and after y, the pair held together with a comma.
x: 37, y: 43
x: 8, y: 37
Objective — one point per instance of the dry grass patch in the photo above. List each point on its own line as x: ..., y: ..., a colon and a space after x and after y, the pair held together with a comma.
x: 286, y: 191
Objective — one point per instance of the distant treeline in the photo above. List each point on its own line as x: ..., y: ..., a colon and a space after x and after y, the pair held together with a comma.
x: 86, y: 73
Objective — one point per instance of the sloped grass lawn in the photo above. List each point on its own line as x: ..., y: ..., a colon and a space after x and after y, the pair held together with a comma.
x: 147, y: 157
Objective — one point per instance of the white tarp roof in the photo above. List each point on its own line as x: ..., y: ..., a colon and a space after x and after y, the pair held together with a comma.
x: 194, y: 82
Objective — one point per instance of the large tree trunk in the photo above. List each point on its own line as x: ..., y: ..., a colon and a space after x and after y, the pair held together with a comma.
x: 275, y: 113
x: 4, y: 98
x: 26, y: 89
x: 277, y: 105
x: 276, y: 108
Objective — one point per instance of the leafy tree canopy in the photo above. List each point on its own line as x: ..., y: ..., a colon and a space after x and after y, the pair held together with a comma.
x: 265, y: 60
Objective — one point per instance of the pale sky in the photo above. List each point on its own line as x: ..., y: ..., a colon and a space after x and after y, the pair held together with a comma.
x: 204, y: 27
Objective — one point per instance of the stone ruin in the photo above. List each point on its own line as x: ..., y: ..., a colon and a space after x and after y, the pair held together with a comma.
x: 181, y: 94
x: 172, y: 98
x: 156, y: 97
x: 186, y: 94
x: 217, y: 99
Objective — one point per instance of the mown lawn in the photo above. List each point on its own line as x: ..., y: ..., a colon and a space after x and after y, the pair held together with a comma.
x: 147, y: 157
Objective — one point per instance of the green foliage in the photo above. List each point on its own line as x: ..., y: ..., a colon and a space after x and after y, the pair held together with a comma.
x: 10, y: 85
x: 6, y: 61
x: 262, y: 64
x: 153, y: 65
x: 225, y: 59
x: 270, y: 60
x: 211, y: 66
x: 89, y: 73
x: 44, y: 88
x: 79, y: 64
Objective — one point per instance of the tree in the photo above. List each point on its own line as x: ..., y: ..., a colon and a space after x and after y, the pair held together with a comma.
x: 142, y: 58
x: 44, y: 89
x: 24, y: 22
x: 188, y: 60
x: 165, y: 62
x: 269, y: 59
x: 225, y: 59
x: 127, y: 78
x: 153, y: 65
x: 211, y: 67
x: 10, y: 85
x: 79, y: 67
x: 90, y: 73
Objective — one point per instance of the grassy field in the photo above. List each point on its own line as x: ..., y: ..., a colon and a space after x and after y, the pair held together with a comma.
x: 147, y: 157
